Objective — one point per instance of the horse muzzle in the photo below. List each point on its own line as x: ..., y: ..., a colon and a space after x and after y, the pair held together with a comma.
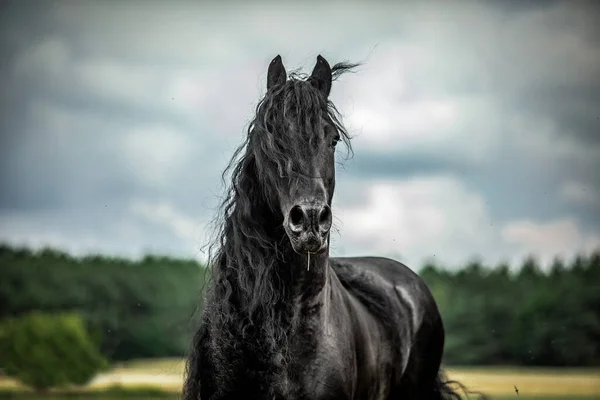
x: 308, y: 226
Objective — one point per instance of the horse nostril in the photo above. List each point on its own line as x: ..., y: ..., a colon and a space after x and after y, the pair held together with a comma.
x: 296, y: 218
x: 325, y: 218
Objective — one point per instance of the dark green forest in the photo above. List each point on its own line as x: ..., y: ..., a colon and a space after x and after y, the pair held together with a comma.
x: 150, y: 307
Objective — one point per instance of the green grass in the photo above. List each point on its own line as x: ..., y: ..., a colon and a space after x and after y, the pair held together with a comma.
x: 169, y: 396
x: 112, y: 393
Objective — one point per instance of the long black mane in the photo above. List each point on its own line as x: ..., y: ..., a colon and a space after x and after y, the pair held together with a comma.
x: 246, y: 293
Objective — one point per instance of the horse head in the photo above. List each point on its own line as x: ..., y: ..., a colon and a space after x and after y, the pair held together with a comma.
x: 294, y: 145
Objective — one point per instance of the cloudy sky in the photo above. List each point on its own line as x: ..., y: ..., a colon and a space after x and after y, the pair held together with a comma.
x: 476, y: 124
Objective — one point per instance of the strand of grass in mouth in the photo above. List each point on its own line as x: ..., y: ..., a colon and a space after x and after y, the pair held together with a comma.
x: 308, y: 265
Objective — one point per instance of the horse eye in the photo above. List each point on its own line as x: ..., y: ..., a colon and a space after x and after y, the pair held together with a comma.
x: 335, y: 141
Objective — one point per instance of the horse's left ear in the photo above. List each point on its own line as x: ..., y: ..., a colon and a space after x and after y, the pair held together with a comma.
x: 276, y: 74
x: 321, y: 76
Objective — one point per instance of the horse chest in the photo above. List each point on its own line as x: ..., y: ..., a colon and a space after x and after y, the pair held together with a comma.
x: 315, y: 381
x: 314, y: 372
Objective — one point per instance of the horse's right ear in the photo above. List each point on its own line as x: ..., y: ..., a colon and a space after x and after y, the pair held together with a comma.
x: 276, y: 74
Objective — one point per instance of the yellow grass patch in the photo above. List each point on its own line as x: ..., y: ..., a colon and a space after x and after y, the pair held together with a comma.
x: 529, y: 383
x: 167, y: 374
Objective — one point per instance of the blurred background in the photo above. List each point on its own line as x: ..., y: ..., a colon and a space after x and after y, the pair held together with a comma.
x: 475, y: 133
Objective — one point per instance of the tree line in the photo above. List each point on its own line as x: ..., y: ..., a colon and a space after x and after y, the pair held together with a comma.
x: 527, y: 317
x: 134, y: 309
x: 150, y: 307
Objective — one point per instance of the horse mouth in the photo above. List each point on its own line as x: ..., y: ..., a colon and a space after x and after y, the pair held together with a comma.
x: 311, y: 245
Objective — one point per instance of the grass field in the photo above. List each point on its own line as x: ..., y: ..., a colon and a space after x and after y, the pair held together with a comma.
x: 176, y: 397
x: 497, y: 382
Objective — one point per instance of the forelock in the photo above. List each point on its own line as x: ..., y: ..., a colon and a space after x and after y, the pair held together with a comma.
x: 287, y: 126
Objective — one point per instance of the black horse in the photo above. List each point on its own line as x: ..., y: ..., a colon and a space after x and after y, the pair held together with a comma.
x: 283, y: 320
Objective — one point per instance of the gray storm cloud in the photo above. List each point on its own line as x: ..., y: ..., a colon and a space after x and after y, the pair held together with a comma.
x: 116, y: 122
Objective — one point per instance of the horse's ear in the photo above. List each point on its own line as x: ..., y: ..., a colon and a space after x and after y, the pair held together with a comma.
x: 321, y: 76
x: 276, y: 74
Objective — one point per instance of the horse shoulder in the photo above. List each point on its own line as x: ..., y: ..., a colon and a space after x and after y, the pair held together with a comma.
x: 405, y: 303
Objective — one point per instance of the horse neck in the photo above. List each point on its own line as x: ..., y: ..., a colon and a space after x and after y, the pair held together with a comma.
x: 301, y: 278
x: 310, y: 275
x: 305, y: 288
x: 297, y: 280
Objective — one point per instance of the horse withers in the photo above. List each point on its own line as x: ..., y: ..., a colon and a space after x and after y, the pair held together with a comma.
x: 282, y: 319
